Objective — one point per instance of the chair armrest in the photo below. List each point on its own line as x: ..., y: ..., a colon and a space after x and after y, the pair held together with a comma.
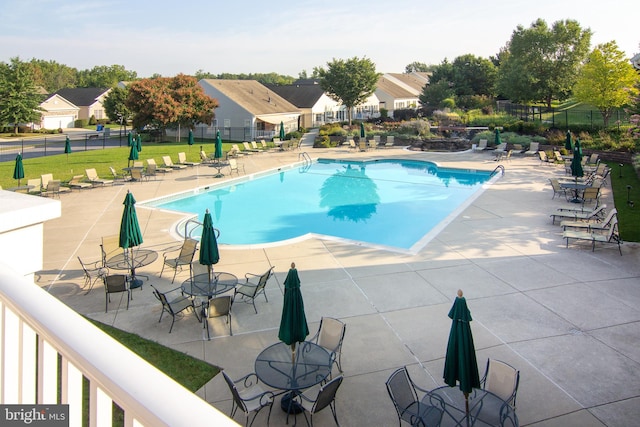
x: 171, y: 249
x: 248, y: 276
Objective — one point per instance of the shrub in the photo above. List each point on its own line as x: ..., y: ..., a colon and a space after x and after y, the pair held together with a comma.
x: 322, y: 142
x: 81, y: 123
x: 92, y: 120
x: 448, y: 103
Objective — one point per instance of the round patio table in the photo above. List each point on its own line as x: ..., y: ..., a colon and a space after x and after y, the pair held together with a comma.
x: 141, y: 258
x: 205, y: 288
x: 485, y: 408
x: 311, y: 366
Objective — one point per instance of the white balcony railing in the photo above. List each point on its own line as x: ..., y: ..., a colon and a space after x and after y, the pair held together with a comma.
x: 46, y: 349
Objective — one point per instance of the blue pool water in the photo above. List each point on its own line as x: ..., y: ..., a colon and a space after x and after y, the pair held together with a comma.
x: 385, y: 202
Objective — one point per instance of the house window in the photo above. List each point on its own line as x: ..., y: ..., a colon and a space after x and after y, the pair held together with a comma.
x: 227, y: 123
x: 247, y: 123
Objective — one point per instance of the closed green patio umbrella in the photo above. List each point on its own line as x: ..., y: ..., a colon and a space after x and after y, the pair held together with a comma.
x: 67, y: 147
x: 18, y: 169
x: 129, y: 139
x: 576, y: 163
x: 190, y: 140
x: 282, y: 135
x: 133, y: 152
x: 130, y: 234
x: 139, y: 143
x: 460, y: 364
x: 293, y: 323
x: 568, y: 143
x: 363, y: 135
x: 209, y: 253
x: 217, y: 154
x: 498, y: 139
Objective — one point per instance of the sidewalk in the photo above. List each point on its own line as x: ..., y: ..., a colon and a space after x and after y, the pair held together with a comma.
x: 569, y: 319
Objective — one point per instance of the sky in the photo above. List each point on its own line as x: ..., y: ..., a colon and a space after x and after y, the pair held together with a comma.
x: 287, y: 37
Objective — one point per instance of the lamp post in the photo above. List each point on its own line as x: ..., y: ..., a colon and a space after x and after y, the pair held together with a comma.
x: 629, y: 202
x: 620, y: 170
x: 120, y: 120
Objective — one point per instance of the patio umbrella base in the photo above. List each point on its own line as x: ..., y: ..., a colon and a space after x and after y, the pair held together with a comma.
x: 135, y: 284
x: 289, y: 405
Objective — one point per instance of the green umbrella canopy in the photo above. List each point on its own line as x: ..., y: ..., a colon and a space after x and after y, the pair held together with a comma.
x: 576, y: 162
x: 498, y: 138
x: 362, y: 132
x: 18, y: 169
x: 460, y: 360
x: 129, y: 139
x: 139, y: 142
x: 67, y: 145
x: 282, y: 135
x: 133, y: 153
x: 209, y: 253
x: 190, y: 140
x: 218, y: 151
x: 568, y: 142
x: 130, y: 234
x: 293, y: 324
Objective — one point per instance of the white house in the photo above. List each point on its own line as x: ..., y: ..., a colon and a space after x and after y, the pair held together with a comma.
x: 248, y: 110
x: 398, y: 91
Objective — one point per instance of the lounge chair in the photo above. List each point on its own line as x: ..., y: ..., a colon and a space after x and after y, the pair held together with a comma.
x: 94, y: 179
x: 254, y: 145
x: 390, y: 142
x: 53, y: 189
x: 362, y: 144
x: 593, y: 159
x: 158, y: 168
x: 182, y: 160
x: 248, y: 148
x: 543, y: 157
x: 236, y: 151
x: 265, y: 146
x: 533, y: 149
x: 482, y: 145
x: 46, y: 178
x: 590, y: 225
x: 35, y: 186
x: 77, y: 182
x: 610, y: 235
x: 117, y: 176
x: 599, y: 212
x: 168, y: 163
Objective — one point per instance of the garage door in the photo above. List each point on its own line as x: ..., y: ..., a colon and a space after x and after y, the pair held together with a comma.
x: 55, y: 122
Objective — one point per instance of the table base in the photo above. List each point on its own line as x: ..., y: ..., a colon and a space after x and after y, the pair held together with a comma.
x: 289, y: 405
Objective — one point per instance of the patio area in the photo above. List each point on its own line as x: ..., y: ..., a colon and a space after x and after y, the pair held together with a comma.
x: 568, y: 319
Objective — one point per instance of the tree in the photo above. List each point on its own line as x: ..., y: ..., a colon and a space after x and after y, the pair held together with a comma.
x: 115, y: 105
x: 542, y: 63
x: 105, y: 76
x: 53, y: 76
x: 19, y: 97
x: 163, y: 102
x: 349, y: 81
x: 473, y: 75
x: 418, y: 67
x: 434, y: 94
x: 607, y: 80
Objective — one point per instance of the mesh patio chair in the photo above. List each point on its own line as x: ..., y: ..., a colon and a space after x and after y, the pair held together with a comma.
x: 185, y: 254
x: 501, y: 379
x: 218, y: 307
x: 404, y: 395
x: 174, y: 303
x: 330, y: 336
x: 93, y: 271
x: 115, y: 283
x: 249, y: 396
x: 249, y: 290
x: 318, y: 397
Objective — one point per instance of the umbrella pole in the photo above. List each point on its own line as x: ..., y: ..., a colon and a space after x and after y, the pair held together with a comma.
x: 466, y: 406
x: 293, y: 354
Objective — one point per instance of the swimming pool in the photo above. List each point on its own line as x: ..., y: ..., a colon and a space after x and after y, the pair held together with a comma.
x: 386, y: 202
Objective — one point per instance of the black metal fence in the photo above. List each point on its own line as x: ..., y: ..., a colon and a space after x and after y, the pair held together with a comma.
x: 565, y: 118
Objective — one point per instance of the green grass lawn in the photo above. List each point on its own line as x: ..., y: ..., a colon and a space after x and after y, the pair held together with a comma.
x: 190, y: 372
x: 628, y: 216
x: 64, y: 168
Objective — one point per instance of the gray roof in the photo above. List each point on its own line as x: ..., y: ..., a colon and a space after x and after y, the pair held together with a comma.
x: 302, y: 96
x: 253, y: 96
x: 81, y: 96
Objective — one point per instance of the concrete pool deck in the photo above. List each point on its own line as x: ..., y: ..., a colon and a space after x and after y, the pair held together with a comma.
x: 568, y: 319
